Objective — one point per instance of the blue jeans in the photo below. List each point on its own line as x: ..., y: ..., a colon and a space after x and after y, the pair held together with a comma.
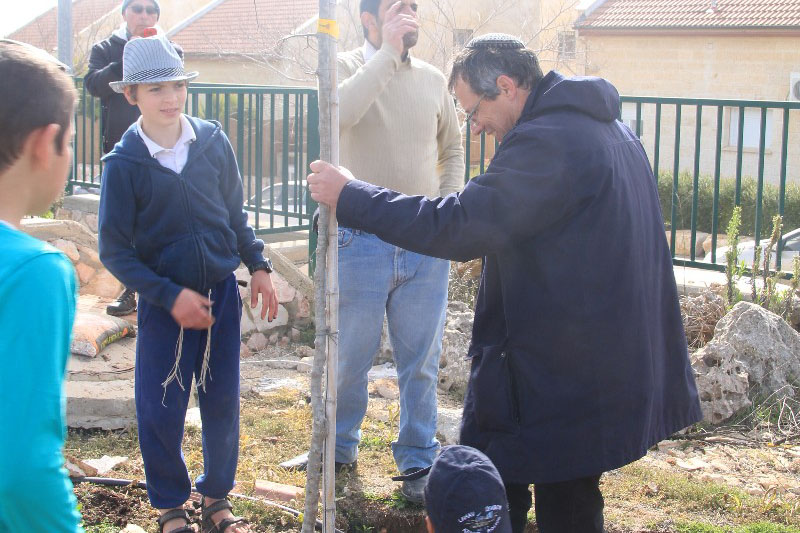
x: 411, y: 289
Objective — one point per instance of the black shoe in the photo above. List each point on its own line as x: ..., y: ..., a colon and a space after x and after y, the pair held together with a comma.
x: 414, y: 481
x: 125, y: 304
x: 300, y: 463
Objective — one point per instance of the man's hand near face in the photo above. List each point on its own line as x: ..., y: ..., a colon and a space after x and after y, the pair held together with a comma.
x: 326, y: 182
x: 396, y: 25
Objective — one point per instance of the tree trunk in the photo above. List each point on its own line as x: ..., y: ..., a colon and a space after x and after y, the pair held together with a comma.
x: 326, y: 293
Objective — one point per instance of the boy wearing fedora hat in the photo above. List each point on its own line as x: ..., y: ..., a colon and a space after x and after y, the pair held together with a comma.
x: 172, y: 228
x: 105, y: 65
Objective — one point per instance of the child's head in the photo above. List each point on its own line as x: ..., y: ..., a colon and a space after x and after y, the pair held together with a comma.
x: 160, y: 104
x: 153, y: 78
x: 464, y: 492
x: 37, y: 101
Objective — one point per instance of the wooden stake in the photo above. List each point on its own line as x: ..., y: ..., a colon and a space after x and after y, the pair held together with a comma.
x: 326, y: 293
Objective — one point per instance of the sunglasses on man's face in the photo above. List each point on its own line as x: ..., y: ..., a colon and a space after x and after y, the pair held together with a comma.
x: 138, y: 8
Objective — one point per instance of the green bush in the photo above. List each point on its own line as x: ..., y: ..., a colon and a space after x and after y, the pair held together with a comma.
x: 727, y: 195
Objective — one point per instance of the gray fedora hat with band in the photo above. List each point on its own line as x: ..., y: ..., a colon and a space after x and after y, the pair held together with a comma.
x: 150, y: 60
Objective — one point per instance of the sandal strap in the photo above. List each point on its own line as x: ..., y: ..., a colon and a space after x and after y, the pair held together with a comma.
x: 225, y: 523
x: 173, y: 514
x: 219, y: 505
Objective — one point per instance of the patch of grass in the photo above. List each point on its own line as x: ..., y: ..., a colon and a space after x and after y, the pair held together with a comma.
x: 694, y: 527
x: 308, y: 335
x: 267, y: 517
x: 374, y: 442
x: 104, y: 527
x: 764, y: 527
x: 695, y: 503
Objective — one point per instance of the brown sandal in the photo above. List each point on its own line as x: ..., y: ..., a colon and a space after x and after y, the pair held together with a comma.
x: 172, y: 515
x: 220, y: 505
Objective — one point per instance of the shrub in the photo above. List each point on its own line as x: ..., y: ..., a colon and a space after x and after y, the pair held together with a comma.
x: 727, y: 195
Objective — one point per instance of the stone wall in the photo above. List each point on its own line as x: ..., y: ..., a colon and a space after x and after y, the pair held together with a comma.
x: 81, y: 208
x: 80, y: 246
x: 74, y: 231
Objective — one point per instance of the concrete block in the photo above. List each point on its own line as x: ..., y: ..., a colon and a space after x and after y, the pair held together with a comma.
x: 106, y: 463
x: 100, y: 404
x: 86, y: 203
x: 46, y: 229
x: 277, y: 491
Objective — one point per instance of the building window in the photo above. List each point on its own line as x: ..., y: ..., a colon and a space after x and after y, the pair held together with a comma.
x: 566, y: 45
x: 751, y: 137
x: 628, y: 117
x: 461, y: 37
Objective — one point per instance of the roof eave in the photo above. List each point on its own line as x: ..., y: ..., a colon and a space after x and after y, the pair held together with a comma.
x: 694, y: 30
x: 194, y: 17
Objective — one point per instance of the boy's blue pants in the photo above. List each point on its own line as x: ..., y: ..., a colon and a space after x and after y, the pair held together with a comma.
x: 161, y: 428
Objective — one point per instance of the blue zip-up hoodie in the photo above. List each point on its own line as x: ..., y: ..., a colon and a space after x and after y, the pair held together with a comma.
x: 160, y: 231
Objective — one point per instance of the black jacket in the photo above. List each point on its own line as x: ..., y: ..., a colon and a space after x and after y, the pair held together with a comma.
x: 105, y: 65
x: 579, y: 358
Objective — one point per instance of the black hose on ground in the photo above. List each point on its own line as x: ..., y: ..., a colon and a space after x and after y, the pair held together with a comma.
x: 113, y: 482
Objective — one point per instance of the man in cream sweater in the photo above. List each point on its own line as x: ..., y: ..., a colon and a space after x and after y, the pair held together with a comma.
x: 399, y: 130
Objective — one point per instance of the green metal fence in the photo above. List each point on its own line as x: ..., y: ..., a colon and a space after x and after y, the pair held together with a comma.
x: 274, y: 133
x: 710, y: 155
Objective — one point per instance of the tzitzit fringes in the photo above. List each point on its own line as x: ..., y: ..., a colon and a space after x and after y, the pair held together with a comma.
x: 175, y: 374
x: 204, y: 371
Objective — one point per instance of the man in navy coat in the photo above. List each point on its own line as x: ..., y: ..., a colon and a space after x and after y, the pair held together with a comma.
x: 579, y: 358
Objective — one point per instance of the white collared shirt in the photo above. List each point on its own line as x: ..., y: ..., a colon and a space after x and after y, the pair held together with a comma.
x: 172, y: 158
x: 369, y: 50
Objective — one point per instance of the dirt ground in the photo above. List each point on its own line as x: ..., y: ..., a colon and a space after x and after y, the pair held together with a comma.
x: 723, y: 481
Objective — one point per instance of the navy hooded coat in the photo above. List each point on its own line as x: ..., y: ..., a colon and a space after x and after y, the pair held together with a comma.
x: 579, y: 358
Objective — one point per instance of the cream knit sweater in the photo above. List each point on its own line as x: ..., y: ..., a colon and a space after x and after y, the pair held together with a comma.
x: 398, y: 124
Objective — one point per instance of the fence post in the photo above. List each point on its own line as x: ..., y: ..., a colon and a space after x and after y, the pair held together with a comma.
x: 313, y: 154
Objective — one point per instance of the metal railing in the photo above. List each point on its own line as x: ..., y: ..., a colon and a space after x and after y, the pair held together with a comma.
x: 722, y: 153
x: 274, y: 134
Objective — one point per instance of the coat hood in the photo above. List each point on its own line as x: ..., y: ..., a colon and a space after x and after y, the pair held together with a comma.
x: 132, y: 148
x: 589, y: 95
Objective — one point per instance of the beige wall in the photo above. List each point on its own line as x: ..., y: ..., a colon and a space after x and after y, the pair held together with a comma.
x: 245, y: 71
x: 742, y: 66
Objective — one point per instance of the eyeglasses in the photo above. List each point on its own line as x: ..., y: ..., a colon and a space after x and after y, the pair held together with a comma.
x: 138, y: 8
x: 474, y: 110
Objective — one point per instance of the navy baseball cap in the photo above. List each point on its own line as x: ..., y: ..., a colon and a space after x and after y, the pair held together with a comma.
x: 464, y: 493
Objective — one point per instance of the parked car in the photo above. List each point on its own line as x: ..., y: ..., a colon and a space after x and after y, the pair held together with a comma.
x: 272, y: 197
x: 790, y: 250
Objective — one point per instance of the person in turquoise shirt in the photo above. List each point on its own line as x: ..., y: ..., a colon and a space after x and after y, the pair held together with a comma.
x: 37, y: 294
